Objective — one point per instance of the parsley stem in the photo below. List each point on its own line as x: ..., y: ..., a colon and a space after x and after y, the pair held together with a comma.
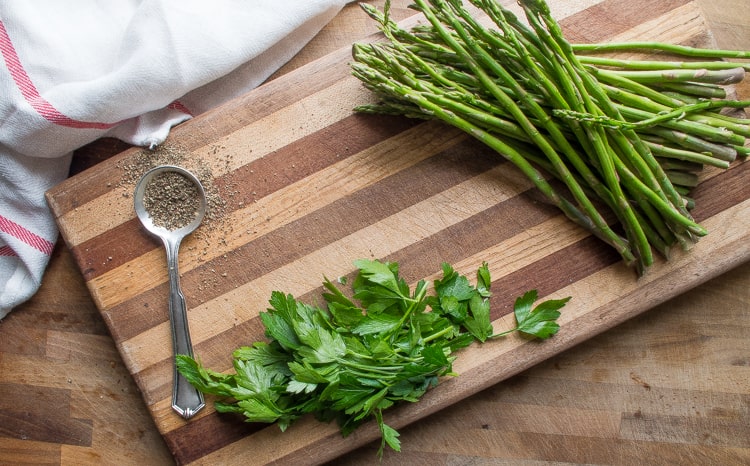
x: 436, y: 335
x: 384, y: 370
x: 501, y: 334
x: 349, y: 352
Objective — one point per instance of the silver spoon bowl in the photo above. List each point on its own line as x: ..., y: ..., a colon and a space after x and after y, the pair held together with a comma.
x: 186, y: 399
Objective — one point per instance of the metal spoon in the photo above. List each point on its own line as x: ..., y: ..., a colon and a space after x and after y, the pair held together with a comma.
x: 186, y: 400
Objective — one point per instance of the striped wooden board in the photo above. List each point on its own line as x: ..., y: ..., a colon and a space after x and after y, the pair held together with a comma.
x: 308, y: 187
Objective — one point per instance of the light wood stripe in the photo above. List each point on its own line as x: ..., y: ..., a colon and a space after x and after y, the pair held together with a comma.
x: 686, y: 21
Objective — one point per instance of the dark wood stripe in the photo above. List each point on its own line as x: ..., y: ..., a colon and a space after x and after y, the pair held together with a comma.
x: 716, y: 194
x: 613, y: 17
x: 203, y: 436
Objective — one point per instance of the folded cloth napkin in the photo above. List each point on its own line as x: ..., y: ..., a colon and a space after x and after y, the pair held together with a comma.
x: 72, y: 72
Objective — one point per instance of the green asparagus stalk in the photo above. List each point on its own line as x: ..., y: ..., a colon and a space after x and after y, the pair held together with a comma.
x: 649, y: 65
x: 682, y: 50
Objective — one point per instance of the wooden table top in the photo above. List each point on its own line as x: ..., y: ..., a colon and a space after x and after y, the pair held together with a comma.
x: 671, y: 386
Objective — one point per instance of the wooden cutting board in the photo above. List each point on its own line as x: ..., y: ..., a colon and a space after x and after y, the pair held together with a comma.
x: 308, y: 187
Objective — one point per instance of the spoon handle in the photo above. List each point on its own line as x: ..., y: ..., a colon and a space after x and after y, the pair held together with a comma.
x: 186, y: 399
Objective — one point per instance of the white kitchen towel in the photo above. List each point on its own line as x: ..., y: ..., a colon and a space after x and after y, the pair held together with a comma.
x: 74, y: 71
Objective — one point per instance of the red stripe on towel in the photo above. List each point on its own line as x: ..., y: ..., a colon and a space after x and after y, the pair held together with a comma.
x: 28, y: 237
x: 30, y: 92
x: 179, y: 106
x: 6, y: 251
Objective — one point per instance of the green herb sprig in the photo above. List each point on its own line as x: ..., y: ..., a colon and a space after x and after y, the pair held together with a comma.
x: 357, y: 356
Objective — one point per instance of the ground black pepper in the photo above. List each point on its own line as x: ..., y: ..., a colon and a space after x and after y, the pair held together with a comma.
x: 171, y: 200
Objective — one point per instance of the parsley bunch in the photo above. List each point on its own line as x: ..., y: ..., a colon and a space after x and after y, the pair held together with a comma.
x: 357, y: 356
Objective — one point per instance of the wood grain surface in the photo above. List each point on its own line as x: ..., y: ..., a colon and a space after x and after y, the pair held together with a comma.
x: 667, y: 387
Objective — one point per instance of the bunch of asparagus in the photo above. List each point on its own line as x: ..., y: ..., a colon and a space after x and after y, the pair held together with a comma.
x: 625, y: 138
